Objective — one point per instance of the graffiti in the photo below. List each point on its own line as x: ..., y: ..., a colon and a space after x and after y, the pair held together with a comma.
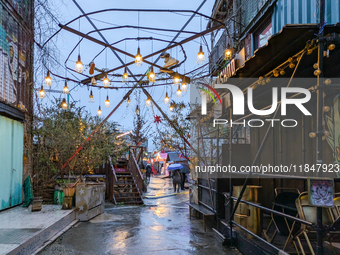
x: 333, y: 125
x: 14, y: 47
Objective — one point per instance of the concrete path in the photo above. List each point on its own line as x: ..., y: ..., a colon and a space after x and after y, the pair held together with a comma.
x: 162, y: 226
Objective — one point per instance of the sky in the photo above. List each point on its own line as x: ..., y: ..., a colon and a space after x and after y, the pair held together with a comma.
x: 66, y: 41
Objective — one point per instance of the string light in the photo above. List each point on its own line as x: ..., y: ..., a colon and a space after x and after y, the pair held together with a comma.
x: 228, y: 53
x: 331, y: 46
x: 65, y: 89
x: 179, y: 91
x: 327, y: 81
x: 148, y: 102
x: 106, y: 81
x: 177, y: 79
x: 171, y: 108
x: 99, y: 112
x: 64, y: 104
x: 152, y: 76
x: 166, y: 98
x: 107, y: 101
x: 184, y: 86
x: 48, y: 80
x: 137, y: 110
x: 125, y: 75
x: 79, y: 65
x: 200, y: 56
x: 138, y: 58
x: 91, y: 100
x: 42, y: 92
x: 128, y: 101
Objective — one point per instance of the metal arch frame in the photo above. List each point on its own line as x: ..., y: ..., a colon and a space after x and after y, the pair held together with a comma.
x: 134, y: 10
x: 131, y: 90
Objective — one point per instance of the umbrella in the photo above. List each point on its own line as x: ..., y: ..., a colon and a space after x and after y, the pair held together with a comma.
x: 174, y: 167
x: 185, y: 169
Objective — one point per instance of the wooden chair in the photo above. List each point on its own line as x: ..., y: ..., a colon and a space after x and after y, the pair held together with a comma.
x: 308, y: 213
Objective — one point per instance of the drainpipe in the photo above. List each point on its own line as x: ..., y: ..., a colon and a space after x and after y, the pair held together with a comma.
x: 319, y: 229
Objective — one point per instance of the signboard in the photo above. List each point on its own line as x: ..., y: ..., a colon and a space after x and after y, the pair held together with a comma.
x: 321, y: 192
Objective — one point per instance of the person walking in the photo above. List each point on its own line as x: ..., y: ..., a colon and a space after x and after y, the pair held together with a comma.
x: 148, y: 172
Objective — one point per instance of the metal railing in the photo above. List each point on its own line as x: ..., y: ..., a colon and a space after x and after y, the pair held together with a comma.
x: 136, y: 173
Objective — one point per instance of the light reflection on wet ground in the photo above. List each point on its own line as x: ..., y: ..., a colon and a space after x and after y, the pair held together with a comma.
x: 162, y: 226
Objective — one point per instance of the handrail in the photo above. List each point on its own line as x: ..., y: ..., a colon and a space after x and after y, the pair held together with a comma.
x: 275, y: 212
x: 139, y: 171
x: 113, y: 169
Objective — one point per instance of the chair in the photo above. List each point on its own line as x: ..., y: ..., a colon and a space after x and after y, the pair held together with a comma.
x: 308, y: 213
x: 284, y: 202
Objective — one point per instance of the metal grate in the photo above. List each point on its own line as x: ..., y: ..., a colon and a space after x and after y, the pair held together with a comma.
x: 16, y: 236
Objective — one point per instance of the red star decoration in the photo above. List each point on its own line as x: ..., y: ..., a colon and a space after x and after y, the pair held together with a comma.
x: 157, y: 119
x: 189, y: 136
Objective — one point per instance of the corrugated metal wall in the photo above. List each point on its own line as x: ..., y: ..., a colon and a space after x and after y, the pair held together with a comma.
x: 303, y: 12
x: 11, y: 162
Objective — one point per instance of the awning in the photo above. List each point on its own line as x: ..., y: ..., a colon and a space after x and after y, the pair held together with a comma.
x: 288, y: 42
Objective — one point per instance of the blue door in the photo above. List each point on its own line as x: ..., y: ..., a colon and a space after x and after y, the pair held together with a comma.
x: 11, y: 162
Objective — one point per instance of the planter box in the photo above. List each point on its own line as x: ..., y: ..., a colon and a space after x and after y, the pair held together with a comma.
x: 90, y: 199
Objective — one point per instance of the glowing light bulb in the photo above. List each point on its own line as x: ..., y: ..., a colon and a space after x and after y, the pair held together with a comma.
x: 184, y: 86
x: 125, y: 75
x: 42, y: 92
x: 93, y: 81
x: 148, y: 102
x: 171, y: 108
x: 137, y: 110
x: 79, y: 65
x: 312, y: 135
x: 152, y: 75
x: 106, y: 81
x: 166, y: 98
x: 128, y: 101
x: 177, y: 79
x: 138, y: 58
x: 91, y: 100
x: 64, y: 104
x: 99, y: 112
x: 200, y: 56
x: 48, y: 80
x: 107, y: 102
x: 65, y: 89
x: 228, y: 53
x: 179, y: 92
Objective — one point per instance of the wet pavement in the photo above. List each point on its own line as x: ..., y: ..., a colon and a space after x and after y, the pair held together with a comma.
x: 161, y: 226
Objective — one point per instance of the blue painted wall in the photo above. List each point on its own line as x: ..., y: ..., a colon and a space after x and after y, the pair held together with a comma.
x: 11, y: 162
x: 303, y: 12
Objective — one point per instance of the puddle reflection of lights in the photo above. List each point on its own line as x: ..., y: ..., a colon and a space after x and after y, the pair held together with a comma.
x: 120, y: 239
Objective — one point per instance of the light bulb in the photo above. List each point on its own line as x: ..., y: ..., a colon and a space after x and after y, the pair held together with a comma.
x: 177, y: 79
x: 93, y: 81
x: 125, y: 75
x: 179, y: 92
x: 128, y: 101
x: 79, y: 65
x: 228, y: 53
x: 166, y: 98
x: 42, y: 92
x: 64, y: 104
x: 184, y: 86
x: 312, y: 135
x: 107, y: 102
x: 152, y: 76
x: 138, y: 58
x: 48, y: 80
x: 137, y: 110
x: 326, y: 108
x: 65, y: 89
x: 106, y: 81
x: 200, y: 56
x: 91, y: 100
x: 171, y: 108
x: 148, y: 102
x: 99, y: 112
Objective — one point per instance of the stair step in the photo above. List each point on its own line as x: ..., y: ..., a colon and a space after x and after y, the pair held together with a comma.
x: 120, y: 198
x: 125, y: 183
x: 120, y: 193
x: 122, y: 188
x: 133, y: 202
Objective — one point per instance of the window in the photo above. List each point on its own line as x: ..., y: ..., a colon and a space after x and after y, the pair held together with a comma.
x: 264, y: 35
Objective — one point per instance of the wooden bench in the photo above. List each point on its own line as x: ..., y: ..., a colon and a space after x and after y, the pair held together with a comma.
x: 201, y: 209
